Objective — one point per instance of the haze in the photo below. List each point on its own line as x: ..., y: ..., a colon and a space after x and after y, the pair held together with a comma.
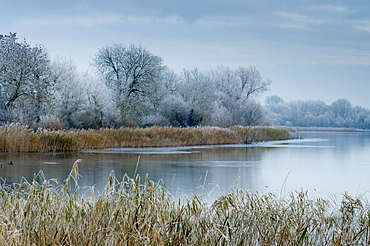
x: 309, y: 50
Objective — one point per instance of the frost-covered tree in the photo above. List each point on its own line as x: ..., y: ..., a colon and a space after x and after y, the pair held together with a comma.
x: 197, y: 91
x: 341, y: 108
x: 169, y: 84
x: 273, y: 100
x: 253, y: 114
x: 340, y: 113
x: 317, y: 107
x: 251, y: 83
x: 175, y: 110
x: 275, y: 108
x: 235, y: 91
x: 240, y: 84
x: 97, y: 109
x: 68, y: 92
x: 81, y: 100
x: 133, y: 74
x: 360, y: 116
x: 24, y: 79
x: 227, y: 112
x: 225, y: 81
x: 297, y: 111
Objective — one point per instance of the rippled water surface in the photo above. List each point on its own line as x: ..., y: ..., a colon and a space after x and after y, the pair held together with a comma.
x: 325, y: 163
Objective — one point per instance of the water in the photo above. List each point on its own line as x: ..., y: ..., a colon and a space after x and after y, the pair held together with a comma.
x: 325, y: 163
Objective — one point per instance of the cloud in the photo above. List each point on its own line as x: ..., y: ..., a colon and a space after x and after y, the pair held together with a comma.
x: 220, y: 21
x: 86, y: 21
x: 298, y: 20
x: 96, y: 20
x: 137, y: 19
x: 351, y: 58
x: 293, y: 25
x: 175, y: 19
x: 331, y: 8
x: 363, y: 25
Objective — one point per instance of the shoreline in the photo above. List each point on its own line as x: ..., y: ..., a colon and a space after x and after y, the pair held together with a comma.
x: 16, y: 138
x: 323, y: 129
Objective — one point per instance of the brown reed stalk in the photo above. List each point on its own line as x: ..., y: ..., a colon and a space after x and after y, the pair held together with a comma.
x: 17, y: 138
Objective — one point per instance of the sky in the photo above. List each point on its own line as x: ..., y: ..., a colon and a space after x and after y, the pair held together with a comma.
x: 310, y: 50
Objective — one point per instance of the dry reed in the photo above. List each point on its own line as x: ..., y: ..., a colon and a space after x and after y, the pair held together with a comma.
x: 17, y: 138
x: 142, y: 212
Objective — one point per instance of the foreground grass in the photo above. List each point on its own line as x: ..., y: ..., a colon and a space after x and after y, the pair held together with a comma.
x: 17, y: 138
x: 135, y: 212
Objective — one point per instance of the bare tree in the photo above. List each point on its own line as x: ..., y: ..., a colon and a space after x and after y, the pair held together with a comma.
x: 133, y: 75
x: 251, y: 83
x: 225, y: 81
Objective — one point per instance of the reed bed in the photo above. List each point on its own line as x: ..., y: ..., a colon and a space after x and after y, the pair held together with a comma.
x: 143, y: 212
x: 261, y: 133
x: 17, y: 138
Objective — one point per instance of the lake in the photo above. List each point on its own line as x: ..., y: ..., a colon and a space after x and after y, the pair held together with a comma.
x: 325, y: 163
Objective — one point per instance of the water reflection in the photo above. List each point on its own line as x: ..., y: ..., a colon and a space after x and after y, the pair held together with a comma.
x: 324, y: 163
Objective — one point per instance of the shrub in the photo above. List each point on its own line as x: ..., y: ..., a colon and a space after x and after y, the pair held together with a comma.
x: 50, y: 122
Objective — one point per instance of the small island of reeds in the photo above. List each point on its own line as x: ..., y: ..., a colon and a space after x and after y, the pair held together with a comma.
x: 18, y: 138
x: 135, y: 211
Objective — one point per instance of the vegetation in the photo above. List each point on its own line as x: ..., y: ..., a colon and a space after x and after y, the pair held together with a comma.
x: 132, y: 88
x: 17, y: 138
x: 340, y: 114
x: 25, y: 78
x: 136, y: 212
x: 261, y: 134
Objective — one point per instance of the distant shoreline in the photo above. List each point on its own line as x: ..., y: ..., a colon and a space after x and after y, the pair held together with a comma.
x: 323, y: 129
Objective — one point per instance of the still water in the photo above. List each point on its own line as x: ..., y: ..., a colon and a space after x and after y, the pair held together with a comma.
x: 325, y: 163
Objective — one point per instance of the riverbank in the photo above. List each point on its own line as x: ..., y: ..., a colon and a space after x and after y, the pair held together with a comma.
x: 142, y: 212
x: 322, y: 129
x: 17, y: 138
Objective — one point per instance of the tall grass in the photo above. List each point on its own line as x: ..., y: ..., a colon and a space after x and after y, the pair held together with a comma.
x: 142, y: 212
x: 17, y: 138
x: 261, y: 133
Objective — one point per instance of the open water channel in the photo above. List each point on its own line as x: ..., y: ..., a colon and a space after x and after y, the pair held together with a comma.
x: 325, y: 163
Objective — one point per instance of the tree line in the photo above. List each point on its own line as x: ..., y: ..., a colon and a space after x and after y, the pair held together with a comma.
x: 131, y: 87
x: 316, y: 113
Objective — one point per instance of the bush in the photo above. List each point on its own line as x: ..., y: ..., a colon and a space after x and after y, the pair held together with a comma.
x: 50, y: 122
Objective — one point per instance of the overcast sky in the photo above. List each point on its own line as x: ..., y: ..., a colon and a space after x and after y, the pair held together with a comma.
x: 309, y: 49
